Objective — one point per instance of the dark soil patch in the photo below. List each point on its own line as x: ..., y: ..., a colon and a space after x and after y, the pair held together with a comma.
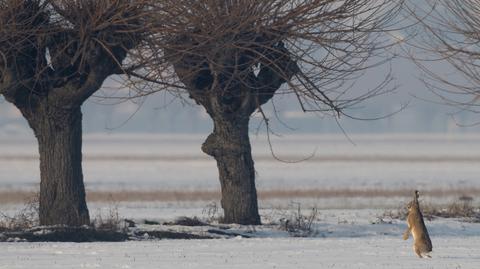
x: 231, y: 234
x: 88, y: 234
x: 151, y: 222
x: 186, y: 221
x: 171, y: 235
x: 65, y: 234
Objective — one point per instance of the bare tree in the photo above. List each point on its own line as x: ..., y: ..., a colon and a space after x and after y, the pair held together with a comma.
x: 449, y: 33
x: 54, y: 54
x: 233, y: 56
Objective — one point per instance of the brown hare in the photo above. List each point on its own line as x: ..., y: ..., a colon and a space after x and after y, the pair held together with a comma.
x: 421, y: 240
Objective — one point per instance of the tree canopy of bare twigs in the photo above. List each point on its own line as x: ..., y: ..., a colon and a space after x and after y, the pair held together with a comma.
x: 449, y: 31
x: 233, y: 56
x: 54, y: 54
x: 330, y: 42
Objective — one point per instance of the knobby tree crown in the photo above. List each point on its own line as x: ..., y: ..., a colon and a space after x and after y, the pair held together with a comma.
x: 65, y: 49
x: 245, y: 50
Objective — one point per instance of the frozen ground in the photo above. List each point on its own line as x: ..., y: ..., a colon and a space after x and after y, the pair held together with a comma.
x: 345, y: 238
x: 288, y: 253
x: 362, y: 238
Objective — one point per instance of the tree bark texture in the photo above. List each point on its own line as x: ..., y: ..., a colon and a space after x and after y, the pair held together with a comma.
x: 230, y: 146
x: 62, y: 191
x: 52, y: 108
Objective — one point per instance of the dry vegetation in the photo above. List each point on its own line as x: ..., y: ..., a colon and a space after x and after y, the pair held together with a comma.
x: 26, y: 218
x: 17, y: 197
x: 462, y: 208
x: 297, y: 223
x: 24, y: 226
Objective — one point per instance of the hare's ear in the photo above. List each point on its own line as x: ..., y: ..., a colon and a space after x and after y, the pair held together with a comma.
x: 416, y: 195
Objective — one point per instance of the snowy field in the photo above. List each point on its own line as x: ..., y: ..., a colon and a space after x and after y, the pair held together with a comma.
x: 343, y: 239
x: 288, y: 253
x: 170, y: 162
x: 348, y: 231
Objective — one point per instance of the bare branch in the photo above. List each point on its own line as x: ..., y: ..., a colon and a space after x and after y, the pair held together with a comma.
x: 67, y: 48
x: 451, y: 35
x: 251, y: 48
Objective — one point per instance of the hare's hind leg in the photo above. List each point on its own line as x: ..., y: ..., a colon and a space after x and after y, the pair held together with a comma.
x: 417, y: 251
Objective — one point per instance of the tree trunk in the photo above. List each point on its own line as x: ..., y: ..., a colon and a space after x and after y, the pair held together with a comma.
x: 62, y: 192
x: 230, y: 146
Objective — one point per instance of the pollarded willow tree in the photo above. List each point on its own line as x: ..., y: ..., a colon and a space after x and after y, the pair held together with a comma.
x: 233, y: 56
x: 450, y: 32
x: 54, y: 54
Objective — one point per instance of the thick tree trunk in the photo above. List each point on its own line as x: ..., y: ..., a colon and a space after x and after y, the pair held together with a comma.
x: 62, y: 192
x: 230, y: 146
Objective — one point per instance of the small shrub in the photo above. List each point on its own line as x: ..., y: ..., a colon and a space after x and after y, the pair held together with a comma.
x: 24, y: 226
x: 110, y: 221
x: 297, y: 224
x: 399, y: 213
x: 462, y: 208
x: 211, y: 213
x: 26, y: 218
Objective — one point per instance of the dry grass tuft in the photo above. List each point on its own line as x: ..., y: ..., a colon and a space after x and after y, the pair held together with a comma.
x: 26, y: 218
x: 109, y: 219
x: 457, y: 209
x: 211, y: 213
x: 297, y: 223
x: 462, y: 208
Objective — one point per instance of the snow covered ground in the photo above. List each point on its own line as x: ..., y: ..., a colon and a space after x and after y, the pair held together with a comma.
x: 343, y: 239
x: 288, y: 253
x: 348, y: 231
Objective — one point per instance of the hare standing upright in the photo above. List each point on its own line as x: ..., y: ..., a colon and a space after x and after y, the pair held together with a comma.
x: 421, y: 240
